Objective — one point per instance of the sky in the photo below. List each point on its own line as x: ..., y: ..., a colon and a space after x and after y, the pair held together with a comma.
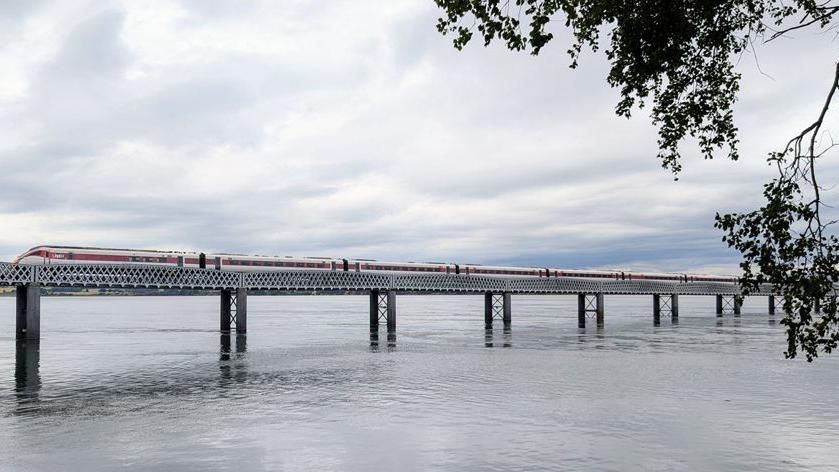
x: 354, y: 129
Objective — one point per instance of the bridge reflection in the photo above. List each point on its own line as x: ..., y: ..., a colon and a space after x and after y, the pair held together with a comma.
x: 374, y: 341
x: 27, y: 372
x: 231, y: 367
x: 506, y: 337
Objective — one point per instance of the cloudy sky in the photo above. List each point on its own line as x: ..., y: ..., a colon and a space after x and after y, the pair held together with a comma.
x: 353, y: 129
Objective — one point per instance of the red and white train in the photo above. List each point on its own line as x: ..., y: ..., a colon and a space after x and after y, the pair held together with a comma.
x: 46, y: 255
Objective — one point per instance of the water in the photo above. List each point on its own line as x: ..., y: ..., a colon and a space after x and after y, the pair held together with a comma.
x: 146, y: 383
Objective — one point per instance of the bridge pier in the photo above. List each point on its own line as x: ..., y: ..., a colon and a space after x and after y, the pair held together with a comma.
x: 497, y: 305
x: 225, y: 310
x: 241, y: 310
x: 671, y: 304
x: 28, y: 311
x: 382, y: 307
x: 590, y: 303
x: 234, y: 310
x: 730, y: 302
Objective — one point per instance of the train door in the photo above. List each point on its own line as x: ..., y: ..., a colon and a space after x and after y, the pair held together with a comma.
x: 180, y: 261
x: 202, y: 261
x: 218, y: 263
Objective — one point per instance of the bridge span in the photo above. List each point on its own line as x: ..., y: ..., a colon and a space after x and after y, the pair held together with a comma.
x: 382, y: 289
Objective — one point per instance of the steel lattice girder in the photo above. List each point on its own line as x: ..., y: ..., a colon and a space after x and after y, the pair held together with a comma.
x: 151, y: 276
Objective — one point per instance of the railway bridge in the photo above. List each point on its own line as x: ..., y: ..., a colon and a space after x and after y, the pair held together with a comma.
x: 382, y: 289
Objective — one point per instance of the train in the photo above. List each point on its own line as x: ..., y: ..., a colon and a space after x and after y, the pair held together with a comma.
x: 48, y: 255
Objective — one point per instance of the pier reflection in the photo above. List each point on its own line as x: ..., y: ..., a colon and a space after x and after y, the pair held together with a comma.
x: 27, y: 372
x: 230, y: 366
x: 375, y: 343
x: 506, y: 337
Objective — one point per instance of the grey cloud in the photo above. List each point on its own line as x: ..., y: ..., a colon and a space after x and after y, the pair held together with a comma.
x: 399, y: 147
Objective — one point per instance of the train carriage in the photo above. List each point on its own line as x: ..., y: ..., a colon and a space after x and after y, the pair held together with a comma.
x: 49, y: 255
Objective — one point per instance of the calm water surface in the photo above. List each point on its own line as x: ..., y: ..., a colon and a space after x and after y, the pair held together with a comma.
x: 146, y: 383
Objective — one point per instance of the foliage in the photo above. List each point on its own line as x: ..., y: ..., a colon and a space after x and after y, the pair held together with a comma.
x: 789, y: 244
x: 678, y: 56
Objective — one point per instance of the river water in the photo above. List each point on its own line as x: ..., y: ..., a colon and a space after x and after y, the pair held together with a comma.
x: 147, y: 383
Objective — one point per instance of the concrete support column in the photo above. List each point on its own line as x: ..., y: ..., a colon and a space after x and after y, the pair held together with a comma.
x: 656, y: 309
x: 488, y: 306
x: 241, y: 310
x: 771, y: 304
x: 674, y: 308
x: 719, y: 305
x: 738, y: 303
x: 508, y: 310
x: 391, y: 312
x: 601, y: 311
x: 374, y: 311
x: 581, y: 310
x: 28, y: 311
x: 224, y: 310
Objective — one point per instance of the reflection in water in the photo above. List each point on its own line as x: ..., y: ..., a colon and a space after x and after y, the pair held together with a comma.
x: 235, y: 369
x: 224, y: 349
x: 27, y: 371
x: 374, y: 341
x: 307, y: 394
x: 507, y: 337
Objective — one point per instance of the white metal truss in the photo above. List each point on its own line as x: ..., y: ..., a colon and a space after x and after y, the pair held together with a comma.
x: 151, y: 276
x: 498, y: 306
x: 590, y: 305
x: 234, y: 308
x: 15, y: 274
x: 665, y: 305
x: 382, y: 306
x: 135, y: 276
x: 729, y: 305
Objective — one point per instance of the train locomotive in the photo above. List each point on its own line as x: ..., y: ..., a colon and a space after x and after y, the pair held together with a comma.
x: 49, y: 255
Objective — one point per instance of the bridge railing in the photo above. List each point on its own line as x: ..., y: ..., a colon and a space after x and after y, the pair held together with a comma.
x: 154, y: 276
x: 135, y: 276
x: 315, y: 280
x: 15, y: 274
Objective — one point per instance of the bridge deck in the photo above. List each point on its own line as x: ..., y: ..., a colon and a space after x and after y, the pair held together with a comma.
x: 149, y: 276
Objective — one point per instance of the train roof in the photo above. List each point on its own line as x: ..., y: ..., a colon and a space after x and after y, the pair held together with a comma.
x: 157, y: 251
